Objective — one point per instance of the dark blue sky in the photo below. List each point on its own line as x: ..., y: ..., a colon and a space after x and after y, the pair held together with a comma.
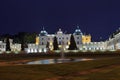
x: 100, y: 18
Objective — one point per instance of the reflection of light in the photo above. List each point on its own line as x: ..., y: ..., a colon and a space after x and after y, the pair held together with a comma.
x: 45, y: 61
x: 51, y: 61
x: 85, y: 59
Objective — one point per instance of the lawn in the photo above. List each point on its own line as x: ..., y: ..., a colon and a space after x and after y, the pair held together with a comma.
x: 108, y: 69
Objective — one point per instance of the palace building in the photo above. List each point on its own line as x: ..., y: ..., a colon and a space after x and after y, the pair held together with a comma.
x: 83, y: 42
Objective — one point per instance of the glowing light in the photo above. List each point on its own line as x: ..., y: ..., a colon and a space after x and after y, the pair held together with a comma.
x: 31, y: 50
x: 60, y: 46
x: 67, y: 47
x: 50, y: 43
x: 45, y: 50
x: 40, y: 50
x: 35, y: 51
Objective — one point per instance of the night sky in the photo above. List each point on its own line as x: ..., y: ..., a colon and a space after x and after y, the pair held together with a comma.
x: 100, y: 18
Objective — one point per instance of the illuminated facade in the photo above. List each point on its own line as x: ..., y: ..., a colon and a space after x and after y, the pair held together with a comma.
x: 41, y: 43
x: 86, y: 39
x: 37, y: 40
x: 2, y: 46
x: 78, y: 38
x: 63, y: 39
x: 83, y: 42
x: 15, y: 47
x: 94, y: 46
x: 113, y: 43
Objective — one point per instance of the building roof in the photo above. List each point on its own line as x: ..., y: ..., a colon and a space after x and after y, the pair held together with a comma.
x: 43, y: 33
x: 59, y: 32
x: 78, y: 31
x: 115, y: 33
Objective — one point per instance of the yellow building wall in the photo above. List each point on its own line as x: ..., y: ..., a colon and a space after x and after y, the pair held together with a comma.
x: 37, y: 40
x: 86, y: 38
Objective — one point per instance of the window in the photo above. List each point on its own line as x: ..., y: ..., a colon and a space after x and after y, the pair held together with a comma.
x: 42, y: 38
x: 59, y: 42
x: 77, y: 42
x: 42, y: 43
x: 67, y: 38
x: 77, y: 37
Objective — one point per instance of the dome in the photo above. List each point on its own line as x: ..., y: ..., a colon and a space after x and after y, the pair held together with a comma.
x: 43, y: 33
x: 60, y: 32
x: 78, y: 31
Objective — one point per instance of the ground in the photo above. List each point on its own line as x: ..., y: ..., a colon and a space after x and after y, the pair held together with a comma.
x: 106, y: 68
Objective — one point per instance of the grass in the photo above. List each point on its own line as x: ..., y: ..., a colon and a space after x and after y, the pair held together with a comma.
x: 65, y: 70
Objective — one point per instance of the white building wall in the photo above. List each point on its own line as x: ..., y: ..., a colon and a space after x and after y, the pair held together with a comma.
x: 63, y: 39
x: 15, y: 47
x: 78, y: 40
x: 94, y: 46
x: 2, y: 46
x: 114, y: 43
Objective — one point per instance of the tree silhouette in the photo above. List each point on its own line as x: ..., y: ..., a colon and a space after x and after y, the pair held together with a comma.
x: 7, y: 44
x: 72, y: 45
x: 55, y: 44
x: 47, y: 46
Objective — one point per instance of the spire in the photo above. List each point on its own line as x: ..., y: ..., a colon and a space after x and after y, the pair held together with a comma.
x: 77, y: 31
x: 60, y: 31
x: 43, y: 32
x: 77, y: 27
x: 43, y: 28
